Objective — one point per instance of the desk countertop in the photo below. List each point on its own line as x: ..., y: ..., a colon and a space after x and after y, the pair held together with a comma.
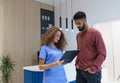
x: 33, y: 68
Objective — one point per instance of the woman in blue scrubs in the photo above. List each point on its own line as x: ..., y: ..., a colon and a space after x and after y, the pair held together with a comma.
x: 52, y: 46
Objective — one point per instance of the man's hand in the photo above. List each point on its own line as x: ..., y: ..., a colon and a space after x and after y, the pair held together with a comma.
x: 89, y: 71
x: 76, y: 66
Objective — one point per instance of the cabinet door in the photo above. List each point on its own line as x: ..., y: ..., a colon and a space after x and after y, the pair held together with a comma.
x: 33, y: 76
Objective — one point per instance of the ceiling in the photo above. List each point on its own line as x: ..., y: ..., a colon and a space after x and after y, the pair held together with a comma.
x: 49, y: 2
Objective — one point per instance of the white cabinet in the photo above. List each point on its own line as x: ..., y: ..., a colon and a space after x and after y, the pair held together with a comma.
x: 111, y: 35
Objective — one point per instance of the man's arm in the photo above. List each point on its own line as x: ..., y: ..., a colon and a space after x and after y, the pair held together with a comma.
x: 101, y: 50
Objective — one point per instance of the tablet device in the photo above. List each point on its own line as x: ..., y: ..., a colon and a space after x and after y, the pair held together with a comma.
x: 68, y: 56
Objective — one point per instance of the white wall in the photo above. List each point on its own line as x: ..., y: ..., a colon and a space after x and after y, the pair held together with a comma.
x: 96, y: 10
x: 106, y: 31
x: 116, y: 43
x: 111, y: 35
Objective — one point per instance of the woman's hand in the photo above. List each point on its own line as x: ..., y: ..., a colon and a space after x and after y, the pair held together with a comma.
x: 58, y: 63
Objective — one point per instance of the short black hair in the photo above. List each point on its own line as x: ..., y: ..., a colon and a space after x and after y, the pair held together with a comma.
x: 79, y: 15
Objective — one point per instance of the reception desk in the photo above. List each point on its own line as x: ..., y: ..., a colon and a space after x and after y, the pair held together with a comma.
x: 32, y: 74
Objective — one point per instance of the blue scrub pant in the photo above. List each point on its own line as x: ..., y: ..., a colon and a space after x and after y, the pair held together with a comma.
x: 85, y: 77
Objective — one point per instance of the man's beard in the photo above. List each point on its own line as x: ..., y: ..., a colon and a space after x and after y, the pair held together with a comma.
x: 81, y: 28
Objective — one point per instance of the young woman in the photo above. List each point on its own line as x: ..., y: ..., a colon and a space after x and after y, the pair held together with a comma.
x: 52, y: 45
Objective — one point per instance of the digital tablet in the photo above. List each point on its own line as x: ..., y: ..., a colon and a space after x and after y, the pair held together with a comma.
x: 68, y: 56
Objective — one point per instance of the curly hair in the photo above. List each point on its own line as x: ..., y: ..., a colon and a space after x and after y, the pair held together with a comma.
x: 49, y: 36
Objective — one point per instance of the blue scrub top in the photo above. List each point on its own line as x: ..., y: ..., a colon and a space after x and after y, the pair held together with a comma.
x: 55, y: 74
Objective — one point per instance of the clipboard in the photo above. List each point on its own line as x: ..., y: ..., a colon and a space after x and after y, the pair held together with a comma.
x: 68, y: 56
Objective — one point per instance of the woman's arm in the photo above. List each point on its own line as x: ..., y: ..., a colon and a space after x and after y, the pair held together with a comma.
x: 43, y: 66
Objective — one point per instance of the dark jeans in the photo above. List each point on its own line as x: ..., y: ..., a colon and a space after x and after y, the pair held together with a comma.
x: 85, y: 77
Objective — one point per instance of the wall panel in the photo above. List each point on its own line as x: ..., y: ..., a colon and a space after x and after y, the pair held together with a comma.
x: 20, y: 32
x: 1, y: 26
